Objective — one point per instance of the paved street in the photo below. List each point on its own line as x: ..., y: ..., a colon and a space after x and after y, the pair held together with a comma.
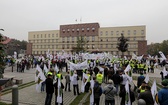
x: 29, y: 96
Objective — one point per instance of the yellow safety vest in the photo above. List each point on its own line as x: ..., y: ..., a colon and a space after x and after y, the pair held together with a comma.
x: 99, y: 78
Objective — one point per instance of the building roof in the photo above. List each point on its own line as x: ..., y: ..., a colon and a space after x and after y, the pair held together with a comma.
x: 6, y: 40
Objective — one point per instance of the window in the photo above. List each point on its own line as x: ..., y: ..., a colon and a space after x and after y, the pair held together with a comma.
x: 101, y: 33
x: 44, y: 46
x: 63, y: 39
x: 93, y: 38
x: 106, y: 45
x: 142, y: 32
x: 83, y: 29
x: 52, y: 35
x: 57, y: 34
x: 68, y: 30
x: 63, y: 46
x: 41, y: 35
x: 73, y: 30
x: 123, y: 32
x: 101, y: 46
x: 93, y: 46
x: 106, y: 33
x: 72, y: 39
x: 134, y: 32
x: 107, y: 40
x: 45, y: 35
x: 117, y: 32
x: 48, y: 35
x: 77, y: 30
x: 68, y: 39
x: 134, y: 38
x: 48, y: 46
x: 52, y: 40
x: 128, y: 32
x: 34, y: 36
x: 88, y: 38
x: 93, y: 29
x: 56, y: 46
x: 49, y: 40
x: 111, y: 32
x: 41, y: 46
x: 67, y: 46
x: 52, y: 46
x: 111, y: 45
x: 101, y: 40
x: 88, y: 29
x: 63, y: 30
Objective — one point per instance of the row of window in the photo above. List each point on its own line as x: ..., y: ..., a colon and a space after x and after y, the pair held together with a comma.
x: 56, y: 52
x: 45, y: 35
x: 101, y: 33
x: 64, y: 39
x: 78, y: 29
x: 85, y: 46
x: 118, y: 33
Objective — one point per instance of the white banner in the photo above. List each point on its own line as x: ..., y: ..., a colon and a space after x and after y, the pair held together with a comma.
x: 80, y: 66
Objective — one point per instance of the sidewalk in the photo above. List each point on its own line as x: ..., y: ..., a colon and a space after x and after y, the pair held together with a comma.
x: 29, y: 95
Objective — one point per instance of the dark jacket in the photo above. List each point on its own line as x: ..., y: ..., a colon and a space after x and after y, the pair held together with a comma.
x: 116, y: 78
x: 97, y: 91
x: 122, y: 94
x: 49, y: 86
x: 140, y: 80
x: 163, y: 96
x: 147, y: 96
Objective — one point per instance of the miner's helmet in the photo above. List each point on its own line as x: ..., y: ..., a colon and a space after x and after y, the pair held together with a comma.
x: 141, y: 102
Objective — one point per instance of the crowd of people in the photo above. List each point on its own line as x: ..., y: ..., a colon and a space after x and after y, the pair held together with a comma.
x: 113, y: 75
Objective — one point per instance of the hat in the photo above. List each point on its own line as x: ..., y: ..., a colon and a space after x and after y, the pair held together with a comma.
x: 141, y: 102
x: 49, y: 73
x: 110, y: 81
x: 165, y: 82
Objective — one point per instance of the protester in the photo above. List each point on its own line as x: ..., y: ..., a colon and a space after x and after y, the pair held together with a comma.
x: 109, y: 92
x: 58, y: 93
x: 99, y: 77
x: 49, y: 89
x: 116, y: 79
x: 140, y: 79
x: 75, y: 83
x: 97, y: 93
x: 163, y: 93
x: 147, y: 96
x: 87, y: 86
x: 123, y: 96
x: 67, y: 81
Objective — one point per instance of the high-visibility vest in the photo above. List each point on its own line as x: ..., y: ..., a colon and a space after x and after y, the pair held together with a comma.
x: 99, y: 78
x: 88, y: 80
x: 59, y: 76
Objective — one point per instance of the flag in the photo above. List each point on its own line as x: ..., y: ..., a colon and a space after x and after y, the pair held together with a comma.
x: 45, y: 69
x: 92, y: 92
x: 147, y: 78
x: 127, y: 96
x: 154, y: 92
x: 84, y: 81
x: 59, y: 96
x: 165, y: 73
x: 39, y: 78
x: 128, y: 72
x: 162, y: 55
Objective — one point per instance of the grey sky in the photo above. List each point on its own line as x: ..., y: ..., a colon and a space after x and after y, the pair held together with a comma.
x: 18, y: 17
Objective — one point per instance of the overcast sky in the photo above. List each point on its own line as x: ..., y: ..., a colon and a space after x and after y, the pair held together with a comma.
x: 18, y: 17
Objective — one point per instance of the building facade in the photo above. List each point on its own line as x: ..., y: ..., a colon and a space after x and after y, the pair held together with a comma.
x: 98, y: 38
